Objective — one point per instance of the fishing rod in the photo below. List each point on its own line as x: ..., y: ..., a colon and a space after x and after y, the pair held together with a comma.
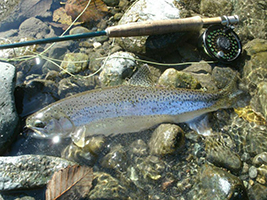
x: 220, y: 42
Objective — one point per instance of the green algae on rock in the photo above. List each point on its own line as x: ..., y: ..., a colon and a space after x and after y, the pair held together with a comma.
x: 174, y: 78
x: 74, y: 63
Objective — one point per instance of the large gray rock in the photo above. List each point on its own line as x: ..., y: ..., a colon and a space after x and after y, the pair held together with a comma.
x: 9, y: 120
x: 28, y: 171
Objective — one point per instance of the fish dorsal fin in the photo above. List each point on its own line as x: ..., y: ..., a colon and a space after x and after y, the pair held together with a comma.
x: 143, y: 77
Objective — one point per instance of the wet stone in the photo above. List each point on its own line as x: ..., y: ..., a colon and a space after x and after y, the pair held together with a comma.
x: 151, y: 168
x: 74, y: 63
x: 262, y: 174
x: 259, y: 101
x: 139, y: 148
x: 252, y: 172
x: 76, y: 154
x: 174, y: 78
x: 107, y: 187
x: 258, y: 192
x: 9, y: 120
x: 202, y: 71
x: 72, y: 85
x: 28, y: 171
x: 260, y: 159
x: 115, y: 67
x: 211, y: 184
x: 166, y: 139
x: 115, y: 159
x: 254, y: 70
x: 78, y: 30
x: 220, y: 154
x: 39, y: 30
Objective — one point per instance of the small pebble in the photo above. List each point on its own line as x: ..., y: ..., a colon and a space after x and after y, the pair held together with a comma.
x: 253, y: 172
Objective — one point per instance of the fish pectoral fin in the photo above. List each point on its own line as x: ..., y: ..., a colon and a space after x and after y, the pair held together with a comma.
x: 200, y: 125
x: 78, y: 136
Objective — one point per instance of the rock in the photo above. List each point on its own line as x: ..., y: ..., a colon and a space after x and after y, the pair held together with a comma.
x: 144, y: 10
x: 79, y: 30
x: 222, y: 76
x: 166, y: 139
x: 9, y: 125
x: 28, y: 171
x: 19, y: 10
x: 57, y: 51
x: 107, y: 187
x: 37, y: 93
x: 72, y: 85
x: 173, y: 78
x: 254, y: 70
x: 220, y: 8
x: 262, y: 174
x: 258, y: 192
x: 111, y: 2
x: 220, y: 154
x: 74, y: 63
x: 138, y: 148
x: 202, y: 72
x: 151, y: 167
x: 260, y: 159
x: 115, y: 67
x: 252, y: 172
x: 116, y: 159
x: 35, y: 28
x: 259, y: 101
x: 253, y: 19
x: 95, y: 63
x: 79, y: 155
x: 215, y: 183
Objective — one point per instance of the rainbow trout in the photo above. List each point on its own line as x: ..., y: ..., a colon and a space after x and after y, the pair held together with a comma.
x: 126, y: 108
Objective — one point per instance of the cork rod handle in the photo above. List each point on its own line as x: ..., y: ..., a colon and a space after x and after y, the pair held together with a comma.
x: 155, y: 27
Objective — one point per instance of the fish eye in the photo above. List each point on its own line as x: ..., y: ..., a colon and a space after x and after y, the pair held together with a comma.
x: 39, y: 124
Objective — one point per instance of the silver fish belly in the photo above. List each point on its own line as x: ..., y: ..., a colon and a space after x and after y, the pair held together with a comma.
x: 123, y: 109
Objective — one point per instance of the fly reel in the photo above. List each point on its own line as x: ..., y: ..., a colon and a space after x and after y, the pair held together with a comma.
x: 221, y: 43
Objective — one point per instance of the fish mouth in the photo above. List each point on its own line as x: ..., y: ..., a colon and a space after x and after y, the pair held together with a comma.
x: 36, y: 132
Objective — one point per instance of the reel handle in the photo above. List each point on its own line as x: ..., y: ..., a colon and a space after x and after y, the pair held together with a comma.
x: 167, y: 26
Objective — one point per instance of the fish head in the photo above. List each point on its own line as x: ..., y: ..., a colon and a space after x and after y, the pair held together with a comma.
x: 48, y: 124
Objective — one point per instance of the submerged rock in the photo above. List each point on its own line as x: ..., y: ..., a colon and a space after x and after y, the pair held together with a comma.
x: 118, y: 66
x: 258, y: 192
x: 74, y: 63
x: 166, y: 139
x: 215, y: 183
x: 35, y: 28
x: 260, y: 159
x: 259, y: 101
x: 107, y: 187
x: 254, y: 71
x: 220, y: 154
x: 28, y: 171
x: 174, y: 78
x: 9, y: 120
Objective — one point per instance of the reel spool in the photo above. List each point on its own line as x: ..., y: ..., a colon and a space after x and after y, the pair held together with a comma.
x: 221, y: 43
